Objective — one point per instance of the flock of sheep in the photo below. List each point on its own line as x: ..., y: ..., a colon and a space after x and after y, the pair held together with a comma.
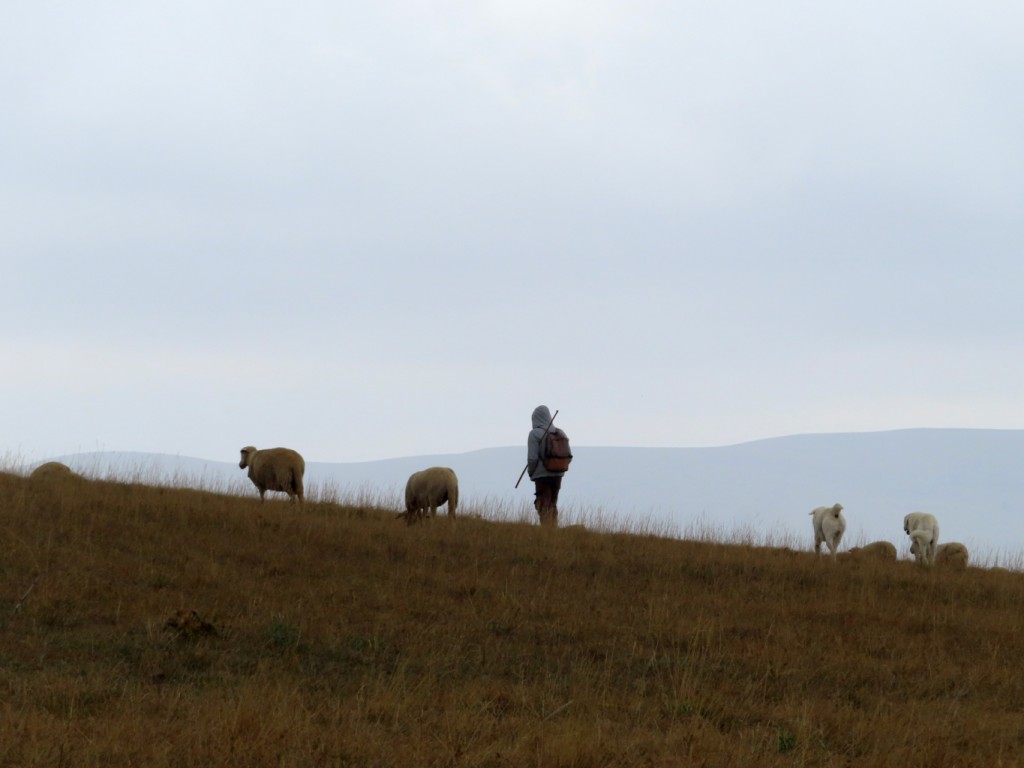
x: 282, y: 470
x: 922, y: 528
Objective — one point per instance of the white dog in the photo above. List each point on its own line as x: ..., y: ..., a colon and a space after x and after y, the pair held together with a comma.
x: 829, y: 527
x: 923, y: 530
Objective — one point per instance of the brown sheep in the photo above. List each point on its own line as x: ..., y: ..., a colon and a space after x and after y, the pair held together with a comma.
x: 275, y: 469
x: 951, y: 555
x: 52, y: 470
x: 428, y: 489
x: 876, y: 550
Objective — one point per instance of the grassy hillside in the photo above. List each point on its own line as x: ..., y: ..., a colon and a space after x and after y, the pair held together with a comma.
x: 159, y: 627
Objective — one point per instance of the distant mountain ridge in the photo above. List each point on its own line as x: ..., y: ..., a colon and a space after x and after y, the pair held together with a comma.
x: 969, y: 478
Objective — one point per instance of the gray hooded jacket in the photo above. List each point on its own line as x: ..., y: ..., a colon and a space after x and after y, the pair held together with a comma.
x: 541, y: 418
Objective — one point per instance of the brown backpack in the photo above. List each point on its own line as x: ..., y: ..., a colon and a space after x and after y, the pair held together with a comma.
x: 555, y: 454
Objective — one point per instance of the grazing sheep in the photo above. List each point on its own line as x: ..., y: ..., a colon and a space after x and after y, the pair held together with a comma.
x: 52, y: 470
x: 876, y: 550
x: 829, y: 526
x: 923, y: 530
x: 428, y: 489
x: 275, y: 469
x: 953, y: 554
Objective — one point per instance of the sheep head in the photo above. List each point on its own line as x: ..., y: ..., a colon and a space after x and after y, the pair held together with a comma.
x: 247, y: 453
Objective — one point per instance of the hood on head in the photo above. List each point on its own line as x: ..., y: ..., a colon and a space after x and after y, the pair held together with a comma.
x: 541, y: 416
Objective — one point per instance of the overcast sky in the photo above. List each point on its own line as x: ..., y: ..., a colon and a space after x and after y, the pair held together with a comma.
x: 367, y: 230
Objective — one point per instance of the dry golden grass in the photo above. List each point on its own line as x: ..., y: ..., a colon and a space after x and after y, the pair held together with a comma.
x: 160, y: 627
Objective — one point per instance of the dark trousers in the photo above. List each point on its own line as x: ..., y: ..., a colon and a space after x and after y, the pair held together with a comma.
x: 546, y: 502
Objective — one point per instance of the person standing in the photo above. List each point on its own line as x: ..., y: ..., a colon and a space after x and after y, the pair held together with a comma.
x: 547, y: 483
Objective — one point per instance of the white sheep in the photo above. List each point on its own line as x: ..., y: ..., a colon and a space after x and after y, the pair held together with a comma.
x: 923, y: 530
x: 275, y: 469
x: 428, y: 489
x: 829, y: 526
x: 952, y: 554
x: 876, y: 550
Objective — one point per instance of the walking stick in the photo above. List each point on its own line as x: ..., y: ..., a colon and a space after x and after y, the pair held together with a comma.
x: 542, y: 437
